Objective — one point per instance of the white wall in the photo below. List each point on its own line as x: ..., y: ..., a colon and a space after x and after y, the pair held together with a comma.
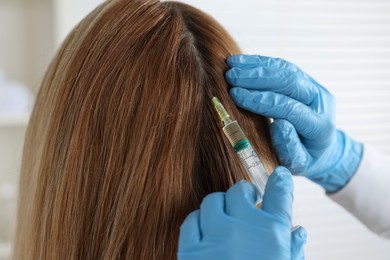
x: 68, y: 13
x: 26, y: 45
x: 11, y: 144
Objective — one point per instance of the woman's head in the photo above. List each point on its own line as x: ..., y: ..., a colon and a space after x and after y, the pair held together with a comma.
x: 123, y: 141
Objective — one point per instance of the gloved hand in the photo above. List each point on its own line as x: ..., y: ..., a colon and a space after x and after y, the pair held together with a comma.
x: 303, y: 132
x: 230, y: 226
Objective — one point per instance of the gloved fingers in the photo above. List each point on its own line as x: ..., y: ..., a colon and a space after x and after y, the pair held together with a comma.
x: 298, y: 240
x: 240, y: 202
x: 190, y: 231
x: 275, y: 105
x: 250, y: 61
x: 212, y: 211
x: 278, y: 196
x: 283, y: 81
x: 288, y: 146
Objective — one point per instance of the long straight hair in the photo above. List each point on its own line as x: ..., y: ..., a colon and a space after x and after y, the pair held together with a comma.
x: 123, y: 141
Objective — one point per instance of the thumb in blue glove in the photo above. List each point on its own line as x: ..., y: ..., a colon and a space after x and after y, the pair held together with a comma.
x: 303, y: 133
x: 230, y: 226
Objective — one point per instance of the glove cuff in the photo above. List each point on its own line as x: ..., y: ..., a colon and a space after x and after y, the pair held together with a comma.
x: 346, y: 164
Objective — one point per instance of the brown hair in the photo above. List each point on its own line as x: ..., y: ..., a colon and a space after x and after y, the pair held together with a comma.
x: 123, y: 141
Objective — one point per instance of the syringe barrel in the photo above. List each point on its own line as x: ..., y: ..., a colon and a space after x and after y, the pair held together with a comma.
x: 247, y: 155
x: 254, y: 167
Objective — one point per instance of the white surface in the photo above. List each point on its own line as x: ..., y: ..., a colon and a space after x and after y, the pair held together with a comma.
x: 26, y: 45
x: 20, y: 120
x: 68, y: 13
x: 15, y: 98
x: 11, y: 145
x: 4, y: 250
x: 367, y: 195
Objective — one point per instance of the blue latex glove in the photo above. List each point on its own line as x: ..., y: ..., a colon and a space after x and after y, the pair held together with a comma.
x: 303, y: 132
x: 230, y: 226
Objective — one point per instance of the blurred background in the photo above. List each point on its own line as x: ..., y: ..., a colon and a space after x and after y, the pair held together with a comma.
x: 343, y: 44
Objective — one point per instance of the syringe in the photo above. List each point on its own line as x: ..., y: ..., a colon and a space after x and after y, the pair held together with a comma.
x: 243, y: 148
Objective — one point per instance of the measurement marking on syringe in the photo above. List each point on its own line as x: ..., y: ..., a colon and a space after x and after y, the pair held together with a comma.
x: 254, y: 165
x: 235, y: 132
x: 249, y: 156
x: 252, y: 155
